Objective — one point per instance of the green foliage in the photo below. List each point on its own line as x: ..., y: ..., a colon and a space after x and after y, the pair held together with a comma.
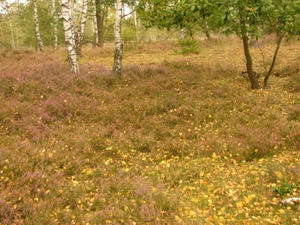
x: 285, y: 188
x: 189, y: 46
x: 21, y: 16
x: 240, y: 17
x: 182, y: 14
x: 128, y: 34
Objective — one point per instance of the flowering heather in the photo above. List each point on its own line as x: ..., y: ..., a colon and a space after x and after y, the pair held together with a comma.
x: 176, y: 140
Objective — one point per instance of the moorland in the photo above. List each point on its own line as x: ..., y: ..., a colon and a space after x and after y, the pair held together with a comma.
x: 178, y: 139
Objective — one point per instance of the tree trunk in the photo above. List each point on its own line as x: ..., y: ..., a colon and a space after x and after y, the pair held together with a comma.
x: 37, y: 28
x: 95, y: 28
x: 69, y: 33
x: 117, y: 67
x: 81, y: 30
x: 101, y: 14
x: 12, y: 34
x: 55, y: 19
x: 100, y: 29
x: 206, y: 30
x: 182, y: 33
x: 18, y: 24
x: 280, y: 37
x: 136, y: 24
x: 252, y: 77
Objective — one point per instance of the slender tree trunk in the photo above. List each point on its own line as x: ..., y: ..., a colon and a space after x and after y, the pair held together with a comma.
x: 182, y: 33
x: 95, y: 29
x: 117, y: 67
x: 17, y: 24
x: 69, y: 33
x: 81, y: 30
x: 136, y: 24
x: 12, y: 33
x: 280, y: 37
x: 73, y: 14
x: 100, y: 34
x: 37, y: 28
x: 55, y: 19
x: 252, y: 77
x: 206, y: 30
x: 100, y: 15
x: 1, y: 36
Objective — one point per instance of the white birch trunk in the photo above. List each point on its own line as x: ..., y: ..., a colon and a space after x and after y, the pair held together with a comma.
x: 67, y: 16
x: 37, y: 28
x: 55, y: 19
x: 73, y: 13
x: 81, y: 30
x: 117, y: 67
x: 136, y: 25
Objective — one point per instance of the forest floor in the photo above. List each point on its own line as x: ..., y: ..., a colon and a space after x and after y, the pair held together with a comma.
x: 178, y: 139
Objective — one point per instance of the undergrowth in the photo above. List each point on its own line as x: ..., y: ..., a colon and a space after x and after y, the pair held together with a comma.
x: 182, y: 141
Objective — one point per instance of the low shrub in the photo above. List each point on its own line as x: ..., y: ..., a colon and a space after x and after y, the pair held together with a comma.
x: 189, y: 46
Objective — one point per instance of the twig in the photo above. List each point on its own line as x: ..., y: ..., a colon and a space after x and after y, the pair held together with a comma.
x: 291, y: 200
x: 263, y: 59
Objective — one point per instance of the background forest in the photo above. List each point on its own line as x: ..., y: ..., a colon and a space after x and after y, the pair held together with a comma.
x: 201, y: 125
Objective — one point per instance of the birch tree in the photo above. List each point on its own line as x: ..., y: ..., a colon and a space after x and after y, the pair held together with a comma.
x: 117, y: 66
x: 55, y: 20
x: 68, y: 26
x: 132, y: 6
x: 81, y: 29
x: 95, y: 27
x: 37, y: 28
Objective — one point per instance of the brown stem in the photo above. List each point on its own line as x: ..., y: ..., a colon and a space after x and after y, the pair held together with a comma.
x: 274, y: 59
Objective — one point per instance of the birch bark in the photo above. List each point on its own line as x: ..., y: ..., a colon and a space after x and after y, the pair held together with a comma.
x: 67, y: 12
x: 81, y: 30
x: 55, y: 19
x: 37, y: 27
x: 117, y: 67
x: 136, y: 24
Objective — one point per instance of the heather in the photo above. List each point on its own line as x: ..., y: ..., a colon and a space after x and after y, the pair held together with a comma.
x: 178, y: 139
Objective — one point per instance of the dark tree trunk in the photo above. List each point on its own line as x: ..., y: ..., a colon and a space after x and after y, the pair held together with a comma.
x: 207, y: 34
x: 252, y: 77
x: 100, y: 33
x: 81, y: 29
x: 206, y: 30
x: 100, y: 23
x: 280, y: 37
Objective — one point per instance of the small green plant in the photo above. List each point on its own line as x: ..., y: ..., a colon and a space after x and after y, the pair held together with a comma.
x: 189, y: 46
x: 285, y: 188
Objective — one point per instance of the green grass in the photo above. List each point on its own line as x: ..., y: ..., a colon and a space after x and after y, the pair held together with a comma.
x: 177, y: 140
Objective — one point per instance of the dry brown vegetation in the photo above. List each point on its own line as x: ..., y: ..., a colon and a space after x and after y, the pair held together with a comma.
x: 177, y: 140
